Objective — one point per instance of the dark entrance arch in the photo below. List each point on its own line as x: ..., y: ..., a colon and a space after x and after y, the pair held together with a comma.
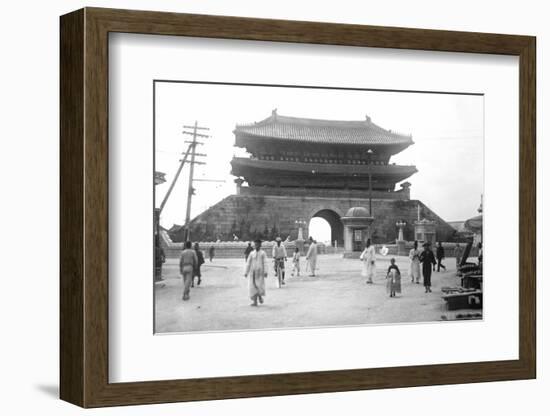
x: 336, y: 225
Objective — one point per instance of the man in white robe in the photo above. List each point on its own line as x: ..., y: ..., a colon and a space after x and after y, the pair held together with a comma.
x: 311, y: 256
x: 368, y: 257
x: 256, y: 266
x: 414, y: 256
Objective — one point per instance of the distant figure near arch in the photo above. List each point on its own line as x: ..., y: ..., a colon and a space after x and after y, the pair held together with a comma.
x: 311, y: 256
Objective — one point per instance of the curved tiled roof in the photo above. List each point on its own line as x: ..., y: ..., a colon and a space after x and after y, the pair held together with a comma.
x: 322, y: 131
x: 357, y: 212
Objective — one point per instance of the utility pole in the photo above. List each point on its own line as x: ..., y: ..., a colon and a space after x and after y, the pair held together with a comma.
x: 182, y: 162
x: 190, y: 190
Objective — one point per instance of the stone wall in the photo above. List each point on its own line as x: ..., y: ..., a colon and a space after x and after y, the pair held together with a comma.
x: 235, y: 249
x: 269, y: 216
x: 448, y: 248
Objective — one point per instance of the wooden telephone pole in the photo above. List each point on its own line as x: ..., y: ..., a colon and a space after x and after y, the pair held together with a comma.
x: 190, y: 156
x: 182, y: 163
x: 193, y: 152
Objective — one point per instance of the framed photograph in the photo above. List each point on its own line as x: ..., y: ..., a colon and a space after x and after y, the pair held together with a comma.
x: 256, y: 207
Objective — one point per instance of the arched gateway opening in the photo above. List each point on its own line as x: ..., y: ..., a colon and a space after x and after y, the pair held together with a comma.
x: 335, y: 223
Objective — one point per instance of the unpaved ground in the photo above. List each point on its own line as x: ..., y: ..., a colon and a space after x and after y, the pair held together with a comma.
x: 337, y: 296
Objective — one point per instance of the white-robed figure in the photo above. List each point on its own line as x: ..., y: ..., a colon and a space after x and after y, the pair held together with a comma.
x: 311, y: 256
x: 368, y: 257
x: 414, y: 270
x: 279, y: 257
x: 256, y: 267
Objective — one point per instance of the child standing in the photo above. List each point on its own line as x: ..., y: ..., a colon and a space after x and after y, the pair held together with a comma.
x: 296, y: 262
x: 393, y: 277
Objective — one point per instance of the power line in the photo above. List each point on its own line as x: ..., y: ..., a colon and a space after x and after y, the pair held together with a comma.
x: 190, y: 157
x: 195, y: 127
x: 209, y: 180
x: 191, y: 154
x: 196, y: 134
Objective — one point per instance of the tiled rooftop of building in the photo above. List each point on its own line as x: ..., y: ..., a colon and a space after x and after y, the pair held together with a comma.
x: 322, y: 131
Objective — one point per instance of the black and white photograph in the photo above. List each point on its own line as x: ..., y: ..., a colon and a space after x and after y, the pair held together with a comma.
x: 243, y: 207
x: 287, y: 206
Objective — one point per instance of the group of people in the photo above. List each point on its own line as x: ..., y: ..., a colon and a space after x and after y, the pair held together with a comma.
x: 393, y: 275
x: 257, y: 268
x: 427, y: 259
x: 421, y: 262
x: 191, y: 260
x: 424, y: 260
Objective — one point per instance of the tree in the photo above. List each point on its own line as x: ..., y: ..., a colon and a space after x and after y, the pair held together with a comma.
x: 234, y: 231
x: 274, y: 233
x: 210, y: 233
x: 244, y: 230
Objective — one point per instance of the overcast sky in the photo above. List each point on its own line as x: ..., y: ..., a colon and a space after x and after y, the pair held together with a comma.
x: 447, y: 132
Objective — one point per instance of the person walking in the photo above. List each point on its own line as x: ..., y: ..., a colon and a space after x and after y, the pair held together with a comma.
x: 296, y: 262
x: 311, y: 256
x: 200, y: 262
x: 211, y: 252
x: 368, y: 257
x: 160, y: 259
x: 414, y: 269
x: 428, y: 260
x: 247, y: 251
x: 440, y: 255
x: 393, y: 279
x: 188, y: 262
x: 256, y: 266
x: 457, y: 253
x: 279, y: 257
